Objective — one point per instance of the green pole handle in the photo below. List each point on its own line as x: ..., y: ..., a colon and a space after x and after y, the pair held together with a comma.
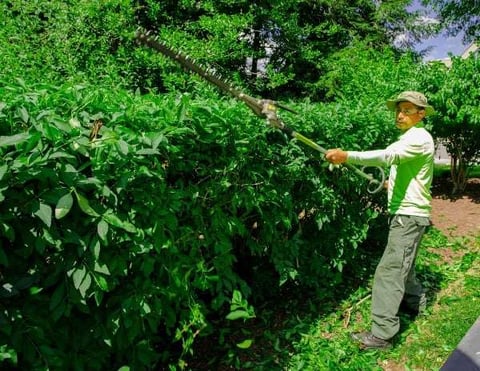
x: 374, y: 185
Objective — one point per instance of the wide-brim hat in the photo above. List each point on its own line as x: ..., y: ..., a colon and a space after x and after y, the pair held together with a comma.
x: 414, y: 97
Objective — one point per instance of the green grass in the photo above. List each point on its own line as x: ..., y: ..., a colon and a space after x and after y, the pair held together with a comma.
x: 423, y: 343
x: 474, y: 172
x: 443, y: 171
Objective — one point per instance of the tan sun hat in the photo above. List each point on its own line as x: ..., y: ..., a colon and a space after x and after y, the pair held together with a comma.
x: 414, y: 97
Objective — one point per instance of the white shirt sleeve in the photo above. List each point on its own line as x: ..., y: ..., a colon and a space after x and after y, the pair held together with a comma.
x: 368, y: 158
x: 408, y: 147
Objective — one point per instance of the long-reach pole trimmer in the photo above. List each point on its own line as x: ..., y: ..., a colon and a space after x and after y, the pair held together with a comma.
x: 264, y: 108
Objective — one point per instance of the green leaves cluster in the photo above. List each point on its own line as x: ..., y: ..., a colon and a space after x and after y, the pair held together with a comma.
x: 455, y: 94
x: 458, y: 16
x: 131, y: 238
x: 65, y: 40
x: 277, y: 50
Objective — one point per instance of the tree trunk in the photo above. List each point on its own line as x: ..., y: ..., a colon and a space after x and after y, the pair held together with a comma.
x: 256, y: 48
x: 458, y: 171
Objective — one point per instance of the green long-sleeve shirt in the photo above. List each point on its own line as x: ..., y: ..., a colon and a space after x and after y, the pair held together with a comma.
x: 411, y: 173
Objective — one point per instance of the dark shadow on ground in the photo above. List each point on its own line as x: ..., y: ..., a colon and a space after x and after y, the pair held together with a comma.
x: 442, y: 187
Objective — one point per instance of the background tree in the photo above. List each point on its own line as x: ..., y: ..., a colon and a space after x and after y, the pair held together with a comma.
x: 458, y: 16
x: 278, y: 49
x: 273, y: 49
x: 455, y: 94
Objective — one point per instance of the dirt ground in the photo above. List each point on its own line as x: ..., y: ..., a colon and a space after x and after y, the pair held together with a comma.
x: 457, y: 216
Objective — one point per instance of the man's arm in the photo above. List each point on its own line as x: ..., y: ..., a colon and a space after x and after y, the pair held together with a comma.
x: 368, y: 158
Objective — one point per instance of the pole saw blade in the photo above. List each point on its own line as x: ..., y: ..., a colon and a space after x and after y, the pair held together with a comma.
x: 256, y: 105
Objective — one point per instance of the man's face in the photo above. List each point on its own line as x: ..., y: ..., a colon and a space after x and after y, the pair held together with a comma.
x: 408, y: 115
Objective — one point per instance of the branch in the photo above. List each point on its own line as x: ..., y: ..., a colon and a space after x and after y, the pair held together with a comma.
x: 348, y: 312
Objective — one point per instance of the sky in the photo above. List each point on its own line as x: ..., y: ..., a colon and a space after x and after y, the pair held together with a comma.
x: 442, y: 44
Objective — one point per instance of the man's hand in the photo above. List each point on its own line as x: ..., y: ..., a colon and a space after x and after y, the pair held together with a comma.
x: 336, y: 156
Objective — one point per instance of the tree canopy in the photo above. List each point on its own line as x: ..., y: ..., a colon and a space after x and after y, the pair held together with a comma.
x: 272, y: 48
x: 281, y: 48
x: 457, y: 121
x: 458, y: 16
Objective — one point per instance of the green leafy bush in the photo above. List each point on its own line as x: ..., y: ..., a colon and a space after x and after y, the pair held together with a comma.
x: 131, y: 237
x: 457, y: 119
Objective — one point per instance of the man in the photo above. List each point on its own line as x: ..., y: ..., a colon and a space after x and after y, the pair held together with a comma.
x: 409, y: 205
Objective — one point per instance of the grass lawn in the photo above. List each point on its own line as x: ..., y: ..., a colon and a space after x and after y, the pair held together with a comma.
x: 424, y: 343
x: 443, y: 170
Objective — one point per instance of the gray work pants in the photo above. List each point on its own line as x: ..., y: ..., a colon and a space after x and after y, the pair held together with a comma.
x: 395, y: 278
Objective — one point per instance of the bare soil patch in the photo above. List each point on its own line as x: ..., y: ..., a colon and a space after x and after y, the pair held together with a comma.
x: 456, y: 215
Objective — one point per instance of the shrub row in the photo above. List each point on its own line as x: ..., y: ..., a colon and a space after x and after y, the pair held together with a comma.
x: 130, y: 221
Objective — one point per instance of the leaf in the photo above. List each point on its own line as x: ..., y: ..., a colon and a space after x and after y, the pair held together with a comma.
x: 85, y: 205
x: 237, y: 297
x: 64, y: 205
x: 3, y: 171
x: 102, y: 230
x: 21, y: 82
x: 60, y: 154
x: 102, y: 283
x: 122, y: 147
x: 158, y: 139
x: 25, y: 282
x: 33, y: 141
x: 44, y: 212
x: 237, y: 314
x: 96, y: 248
x: 59, y: 311
x: 8, y: 231
x: 247, y: 343
x: 82, y: 280
x: 114, y: 220
x: 147, y: 151
x: 23, y: 114
x: 13, y: 139
x: 63, y: 126
x: 98, y: 295
x: 102, y: 269
x: 8, y: 290
x: 3, y: 258
x: 35, y: 290
x: 78, y: 276
x: 86, y: 283
x: 57, y: 296
x: 75, y: 123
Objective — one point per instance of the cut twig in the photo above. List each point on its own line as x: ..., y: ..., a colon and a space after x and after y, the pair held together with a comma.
x: 348, y: 312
